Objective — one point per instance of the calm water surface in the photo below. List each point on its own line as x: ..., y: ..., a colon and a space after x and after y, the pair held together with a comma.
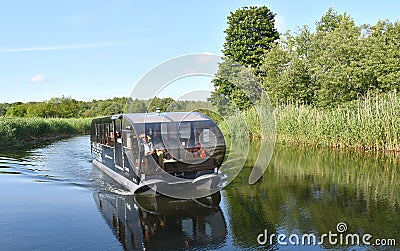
x: 54, y: 199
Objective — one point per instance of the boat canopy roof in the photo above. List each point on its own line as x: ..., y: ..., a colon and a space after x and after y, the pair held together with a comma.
x: 165, y: 117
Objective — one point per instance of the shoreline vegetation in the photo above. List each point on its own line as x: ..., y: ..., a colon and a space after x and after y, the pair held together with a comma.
x: 332, y: 86
x: 28, y: 124
x: 367, y: 124
x: 19, y: 133
x: 371, y: 123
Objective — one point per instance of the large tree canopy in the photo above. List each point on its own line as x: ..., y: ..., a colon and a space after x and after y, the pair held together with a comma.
x: 339, y: 62
x: 250, y: 31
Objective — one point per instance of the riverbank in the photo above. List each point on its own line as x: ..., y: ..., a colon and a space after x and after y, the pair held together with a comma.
x: 24, y: 132
x: 370, y: 123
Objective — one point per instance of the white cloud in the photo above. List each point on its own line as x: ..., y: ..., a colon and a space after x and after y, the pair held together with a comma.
x: 38, y: 78
x: 280, y: 24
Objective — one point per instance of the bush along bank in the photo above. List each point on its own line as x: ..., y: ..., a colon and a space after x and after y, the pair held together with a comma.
x: 20, y: 132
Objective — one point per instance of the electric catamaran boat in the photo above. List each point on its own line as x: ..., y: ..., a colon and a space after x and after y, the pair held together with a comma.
x: 177, y: 154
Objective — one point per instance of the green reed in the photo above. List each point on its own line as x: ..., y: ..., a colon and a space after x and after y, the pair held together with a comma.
x: 255, y: 123
x: 370, y: 123
x: 19, y: 131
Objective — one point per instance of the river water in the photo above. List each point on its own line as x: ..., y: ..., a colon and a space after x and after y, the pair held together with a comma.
x: 52, y: 198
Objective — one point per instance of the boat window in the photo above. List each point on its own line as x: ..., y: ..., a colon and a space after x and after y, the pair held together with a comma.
x: 184, y: 130
x: 186, y: 135
x: 169, y: 131
x: 186, y: 139
x: 152, y: 130
x: 131, y: 148
x: 97, y: 131
x: 205, y: 135
x: 129, y: 139
x: 110, y: 135
x: 104, y: 134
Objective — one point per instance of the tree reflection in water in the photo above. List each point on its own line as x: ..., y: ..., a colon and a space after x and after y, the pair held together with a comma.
x: 308, y: 190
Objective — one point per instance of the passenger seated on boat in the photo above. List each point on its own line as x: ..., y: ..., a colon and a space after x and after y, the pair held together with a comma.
x: 148, y: 153
x: 118, y: 136
x: 203, y: 152
x: 160, y: 151
x: 199, y: 151
x: 158, y: 144
x: 160, y: 148
x: 196, y: 150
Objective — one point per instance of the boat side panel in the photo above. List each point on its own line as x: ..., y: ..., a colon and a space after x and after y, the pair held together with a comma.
x: 132, y: 187
x: 103, y: 154
x: 129, y: 170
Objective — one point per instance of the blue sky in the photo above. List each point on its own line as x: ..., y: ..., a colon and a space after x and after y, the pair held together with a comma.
x: 97, y: 49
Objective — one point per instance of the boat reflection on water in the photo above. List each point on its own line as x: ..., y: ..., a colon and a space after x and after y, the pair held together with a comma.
x: 162, y: 223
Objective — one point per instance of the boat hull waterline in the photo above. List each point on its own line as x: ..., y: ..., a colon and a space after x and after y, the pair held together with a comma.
x: 205, y: 184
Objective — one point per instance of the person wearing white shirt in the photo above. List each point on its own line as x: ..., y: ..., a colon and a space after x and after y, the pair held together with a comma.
x: 147, y: 150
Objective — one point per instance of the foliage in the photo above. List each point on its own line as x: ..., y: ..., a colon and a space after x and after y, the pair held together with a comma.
x: 21, y: 131
x: 249, y: 34
x: 3, y: 108
x: 287, y: 69
x: 71, y: 108
x: 135, y: 106
x: 163, y: 104
x: 337, y: 63
x: 371, y: 123
x: 382, y: 57
x: 236, y: 87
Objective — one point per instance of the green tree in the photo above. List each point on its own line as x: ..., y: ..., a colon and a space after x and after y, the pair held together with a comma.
x: 382, y: 57
x: 287, y: 68
x: 114, y: 108
x: 236, y: 87
x: 156, y: 102
x: 39, y: 109
x: 330, y: 21
x: 3, y: 108
x: 17, y: 110
x: 251, y: 31
x: 135, y: 106
x: 336, y: 63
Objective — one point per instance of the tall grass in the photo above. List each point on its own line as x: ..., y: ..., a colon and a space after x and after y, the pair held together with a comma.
x: 370, y: 123
x: 19, y: 131
x: 255, y: 123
